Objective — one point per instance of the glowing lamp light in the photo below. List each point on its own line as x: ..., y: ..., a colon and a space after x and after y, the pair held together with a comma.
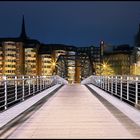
x: 53, y: 63
x: 104, y: 65
x: 102, y: 42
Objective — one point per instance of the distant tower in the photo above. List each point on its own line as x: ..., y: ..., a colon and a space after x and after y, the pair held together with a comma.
x: 101, y: 49
x: 23, y: 32
x: 137, y: 38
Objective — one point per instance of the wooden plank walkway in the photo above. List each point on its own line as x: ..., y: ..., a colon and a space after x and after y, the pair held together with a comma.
x: 73, y: 112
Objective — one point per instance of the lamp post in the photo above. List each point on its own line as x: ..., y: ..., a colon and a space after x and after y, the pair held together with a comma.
x: 101, y: 54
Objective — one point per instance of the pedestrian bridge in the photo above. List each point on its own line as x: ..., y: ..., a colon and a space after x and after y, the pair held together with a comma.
x: 72, y: 111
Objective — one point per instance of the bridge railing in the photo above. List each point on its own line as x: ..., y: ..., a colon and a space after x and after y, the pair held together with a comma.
x: 14, y: 89
x: 59, y: 80
x: 126, y: 88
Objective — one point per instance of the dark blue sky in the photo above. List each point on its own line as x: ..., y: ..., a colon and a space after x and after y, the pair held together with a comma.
x: 78, y: 23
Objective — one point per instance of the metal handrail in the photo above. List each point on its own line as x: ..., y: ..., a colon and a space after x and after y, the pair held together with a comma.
x: 14, y: 89
x: 126, y: 88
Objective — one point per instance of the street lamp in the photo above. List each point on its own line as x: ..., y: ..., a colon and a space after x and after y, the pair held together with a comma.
x: 107, y: 69
x: 104, y: 65
x: 53, y: 63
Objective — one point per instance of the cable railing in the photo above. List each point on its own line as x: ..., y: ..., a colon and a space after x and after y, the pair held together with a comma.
x: 14, y: 89
x: 126, y: 88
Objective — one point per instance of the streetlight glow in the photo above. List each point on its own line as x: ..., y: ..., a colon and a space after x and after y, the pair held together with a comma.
x: 53, y: 63
x: 104, y: 65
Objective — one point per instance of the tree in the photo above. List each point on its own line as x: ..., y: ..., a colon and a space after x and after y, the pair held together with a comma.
x: 104, y: 69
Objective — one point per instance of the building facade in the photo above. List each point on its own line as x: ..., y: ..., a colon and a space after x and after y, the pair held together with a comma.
x: 119, y: 59
x: 11, y: 57
x: 19, y: 56
x: 136, y: 54
x: 26, y: 56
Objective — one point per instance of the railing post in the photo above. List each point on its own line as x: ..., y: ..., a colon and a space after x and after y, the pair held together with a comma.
x: 127, y: 88
x: 116, y: 85
x: 43, y: 83
x: 103, y: 82
x: 37, y: 83
x: 49, y: 82
x: 23, y: 88
x: 29, y: 78
x: 93, y: 82
x: 121, y: 88
x: 5, y: 92
x: 40, y: 83
x: 100, y: 85
x: 54, y: 80
x: 108, y: 80
x: 112, y: 85
x: 15, y: 87
x: 33, y: 85
x: 136, y: 91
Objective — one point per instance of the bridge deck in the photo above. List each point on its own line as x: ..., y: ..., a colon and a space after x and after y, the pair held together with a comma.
x: 73, y: 112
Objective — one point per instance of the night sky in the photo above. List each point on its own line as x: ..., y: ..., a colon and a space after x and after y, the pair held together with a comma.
x: 78, y: 23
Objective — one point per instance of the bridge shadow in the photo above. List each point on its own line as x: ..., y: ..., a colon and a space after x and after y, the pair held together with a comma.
x: 130, y: 125
x: 19, y: 120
